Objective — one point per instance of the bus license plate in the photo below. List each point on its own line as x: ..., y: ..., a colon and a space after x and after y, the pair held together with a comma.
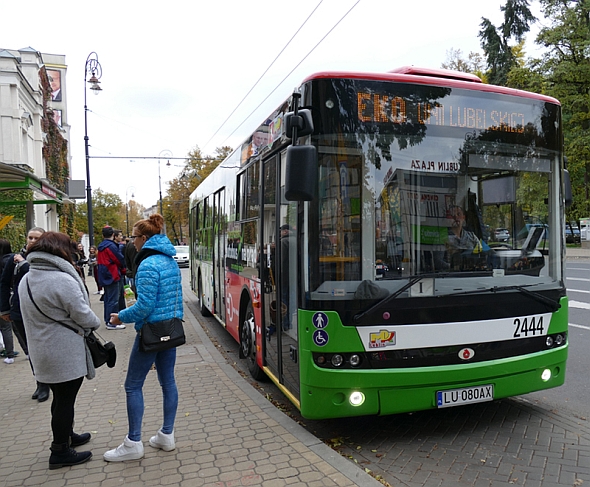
x: 467, y: 395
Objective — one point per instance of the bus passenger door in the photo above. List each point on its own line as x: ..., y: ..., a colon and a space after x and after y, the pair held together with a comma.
x: 220, y: 230
x: 268, y: 267
x: 279, y: 276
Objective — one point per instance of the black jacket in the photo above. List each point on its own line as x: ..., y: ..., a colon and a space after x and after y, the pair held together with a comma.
x: 9, y: 281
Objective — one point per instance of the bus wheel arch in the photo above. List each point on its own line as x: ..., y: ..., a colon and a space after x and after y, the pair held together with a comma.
x: 248, y: 338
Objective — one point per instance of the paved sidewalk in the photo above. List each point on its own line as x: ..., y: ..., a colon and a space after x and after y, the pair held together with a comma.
x: 227, y: 434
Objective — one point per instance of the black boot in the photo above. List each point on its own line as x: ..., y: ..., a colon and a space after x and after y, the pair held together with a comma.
x: 79, y: 440
x: 36, y: 393
x: 43, y: 392
x: 64, y: 456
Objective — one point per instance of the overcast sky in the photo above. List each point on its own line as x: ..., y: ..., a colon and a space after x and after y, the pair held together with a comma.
x: 174, y: 71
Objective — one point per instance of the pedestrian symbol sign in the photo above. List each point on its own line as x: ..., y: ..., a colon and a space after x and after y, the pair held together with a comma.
x: 320, y: 320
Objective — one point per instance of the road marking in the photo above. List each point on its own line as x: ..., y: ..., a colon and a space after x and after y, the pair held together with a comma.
x: 577, y: 291
x: 580, y: 326
x: 577, y: 279
x: 578, y: 304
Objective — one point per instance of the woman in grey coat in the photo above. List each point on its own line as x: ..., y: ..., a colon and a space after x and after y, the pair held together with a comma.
x: 53, y: 291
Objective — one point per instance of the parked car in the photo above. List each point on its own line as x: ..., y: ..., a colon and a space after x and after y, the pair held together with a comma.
x: 380, y: 269
x: 572, y: 234
x: 501, y: 235
x: 182, y: 255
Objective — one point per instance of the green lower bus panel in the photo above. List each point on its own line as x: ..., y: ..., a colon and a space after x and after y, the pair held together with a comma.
x: 386, y: 392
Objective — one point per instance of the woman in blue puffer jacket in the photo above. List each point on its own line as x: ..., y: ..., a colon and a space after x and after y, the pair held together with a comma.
x: 159, y: 297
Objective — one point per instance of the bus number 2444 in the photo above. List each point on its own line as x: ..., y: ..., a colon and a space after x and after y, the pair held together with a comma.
x: 528, y: 326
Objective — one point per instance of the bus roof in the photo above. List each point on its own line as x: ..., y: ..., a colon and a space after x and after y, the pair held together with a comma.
x: 438, y: 77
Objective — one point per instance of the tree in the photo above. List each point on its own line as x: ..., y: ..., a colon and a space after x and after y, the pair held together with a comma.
x: 176, y: 202
x: 106, y: 210
x: 499, y: 55
x: 566, y: 67
x: 135, y: 212
x: 474, y: 63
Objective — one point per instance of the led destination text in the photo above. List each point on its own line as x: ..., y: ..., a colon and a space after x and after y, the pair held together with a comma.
x: 379, y: 108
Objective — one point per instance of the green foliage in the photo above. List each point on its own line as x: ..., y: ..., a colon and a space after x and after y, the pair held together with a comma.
x: 55, y: 146
x: 15, y: 231
x: 499, y: 55
x: 106, y: 210
x: 566, y: 68
x: 176, y: 203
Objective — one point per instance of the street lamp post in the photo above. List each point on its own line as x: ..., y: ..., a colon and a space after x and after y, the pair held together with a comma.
x: 94, y: 69
x: 127, y: 205
x: 166, y: 154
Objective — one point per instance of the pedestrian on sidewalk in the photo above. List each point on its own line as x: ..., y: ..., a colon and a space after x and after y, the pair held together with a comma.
x: 130, y: 254
x: 92, y: 269
x: 14, y: 270
x: 6, y: 325
x: 159, y: 297
x: 111, y: 269
x: 118, y: 239
x: 53, y: 292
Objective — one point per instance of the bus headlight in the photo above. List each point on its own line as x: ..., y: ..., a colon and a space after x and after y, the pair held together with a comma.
x: 337, y: 360
x: 558, y: 340
x: 355, y: 360
x: 356, y: 398
x: 546, y: 375
x: 549, y: 341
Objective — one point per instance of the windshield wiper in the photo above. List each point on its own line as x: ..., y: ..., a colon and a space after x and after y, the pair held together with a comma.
x: 356, y: 318
x: 551, y: 303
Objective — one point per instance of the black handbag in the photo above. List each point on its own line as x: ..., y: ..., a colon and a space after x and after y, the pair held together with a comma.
x: 102, y: 353
x: 162, y: 335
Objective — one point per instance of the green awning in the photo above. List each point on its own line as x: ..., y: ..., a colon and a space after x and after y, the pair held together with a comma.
x: 15, y: 177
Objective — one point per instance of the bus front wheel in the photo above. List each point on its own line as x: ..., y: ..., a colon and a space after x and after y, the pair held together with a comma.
x: 248, y: 344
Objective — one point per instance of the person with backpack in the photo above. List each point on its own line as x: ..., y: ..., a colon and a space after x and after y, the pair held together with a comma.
x: 111, y: 269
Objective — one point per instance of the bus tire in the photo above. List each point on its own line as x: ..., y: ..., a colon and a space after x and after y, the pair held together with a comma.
x: 202, y: 308
x: 248, y: 343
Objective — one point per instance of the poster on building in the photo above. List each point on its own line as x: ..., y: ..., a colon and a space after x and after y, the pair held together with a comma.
x: 55, y: 82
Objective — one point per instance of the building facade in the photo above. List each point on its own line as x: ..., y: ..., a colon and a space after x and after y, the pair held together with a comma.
x: 26, y: 134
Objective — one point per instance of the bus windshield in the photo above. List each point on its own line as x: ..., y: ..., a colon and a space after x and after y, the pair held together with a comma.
x: 457, y: 189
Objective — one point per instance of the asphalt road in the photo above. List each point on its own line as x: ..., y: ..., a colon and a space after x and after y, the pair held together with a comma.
x: 574, y: 396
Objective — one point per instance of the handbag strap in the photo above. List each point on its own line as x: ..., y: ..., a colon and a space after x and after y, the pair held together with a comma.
x: 49, y: 317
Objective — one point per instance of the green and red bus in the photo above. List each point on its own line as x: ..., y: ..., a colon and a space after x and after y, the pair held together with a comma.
x: 391, y: 242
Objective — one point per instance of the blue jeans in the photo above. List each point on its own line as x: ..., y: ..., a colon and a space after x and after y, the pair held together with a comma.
x: 111, y: 300
x: 140, y: 364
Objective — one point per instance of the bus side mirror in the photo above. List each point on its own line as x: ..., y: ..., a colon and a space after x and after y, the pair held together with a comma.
x: 302, y: 121
x: 301, y: 169
x: 569, y: 199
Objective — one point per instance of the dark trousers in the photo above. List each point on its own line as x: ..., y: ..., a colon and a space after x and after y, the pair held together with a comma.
x: 122, y: 304
x: 111, y: 300
x: 62, y: 409
x: 18, y: 327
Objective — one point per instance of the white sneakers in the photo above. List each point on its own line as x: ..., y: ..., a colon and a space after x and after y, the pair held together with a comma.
x: 8, y: 360
x: 128, y: 450
x: 115, y: 327
x: 133, y: 450
x: 163, y: 441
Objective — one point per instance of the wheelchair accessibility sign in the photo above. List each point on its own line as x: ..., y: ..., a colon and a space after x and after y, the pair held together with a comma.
x: 320, y: 338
